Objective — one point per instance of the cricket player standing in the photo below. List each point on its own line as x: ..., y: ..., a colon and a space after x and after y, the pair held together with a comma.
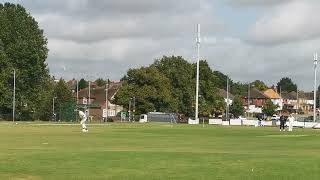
x: 291, y: 119
x: 83, y: 118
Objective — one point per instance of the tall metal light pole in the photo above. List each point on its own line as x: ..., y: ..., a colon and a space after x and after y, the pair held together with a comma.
x: 107, y: 84
x: 315, y: 61
x: 197, y: 80
x: 53, y: 111
x: 129, y: 110
x: 297, y: 107
x: 88, y: 102
x: 248, y: 99
x: 14, y: 95
x: 77, y: 92
x: 134, y: 108
x: 227, y: 109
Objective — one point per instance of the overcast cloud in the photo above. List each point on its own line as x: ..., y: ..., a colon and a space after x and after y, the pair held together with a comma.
x: 246, y: 39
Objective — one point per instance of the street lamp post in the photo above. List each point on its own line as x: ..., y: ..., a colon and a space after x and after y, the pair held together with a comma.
x: 315, y: 58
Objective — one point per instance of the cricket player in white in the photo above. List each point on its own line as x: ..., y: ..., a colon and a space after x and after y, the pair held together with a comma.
x: 83, y: 117
x: 291, y: 119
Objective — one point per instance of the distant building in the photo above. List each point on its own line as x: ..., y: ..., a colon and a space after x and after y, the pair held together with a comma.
x: 223, y: 93
x: 97, y: 101
x: 256, y: 101
x: 274, y: 97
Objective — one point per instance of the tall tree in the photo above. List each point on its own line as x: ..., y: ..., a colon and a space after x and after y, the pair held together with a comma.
x: 269, y: 108
x: 24, y: 47
x: 237, y: 107
x: 180, y: 74
x: 260, y: 85
x: 82, y: 84
x: 287, y: 85
x: 151, y: 89
x: 64, y: 100
x: 100, y: 82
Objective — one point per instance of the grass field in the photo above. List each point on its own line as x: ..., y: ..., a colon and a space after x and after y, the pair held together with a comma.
x: 157, y: 151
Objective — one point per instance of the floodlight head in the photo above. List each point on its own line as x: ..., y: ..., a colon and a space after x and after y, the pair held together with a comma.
x: 315, y: 56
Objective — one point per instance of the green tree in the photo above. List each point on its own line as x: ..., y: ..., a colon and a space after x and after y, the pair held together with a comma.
x: 181, y: 76
x: 151, y: 89
x: 83, y: 84
x: 287, y: 85
x: 100, y: 82
x: 269, y: 108
x: 261, y: 86
x: 24, y: 48
x: 64, y: 100
x: 237, y: 107
x: 210, y: 102
x: 173, y: 79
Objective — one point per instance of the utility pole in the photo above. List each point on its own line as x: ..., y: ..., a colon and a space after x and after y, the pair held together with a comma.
x: 14, y: 95
x: 197, y: 80
x: 315, y: 58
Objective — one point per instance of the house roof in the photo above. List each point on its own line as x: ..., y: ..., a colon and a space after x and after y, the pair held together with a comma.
x: 270, y: 93
x: 292, y: 95
x: 255, y: 94
x: 223, y: 93
x: 98, y: 94
x: 308, y: 95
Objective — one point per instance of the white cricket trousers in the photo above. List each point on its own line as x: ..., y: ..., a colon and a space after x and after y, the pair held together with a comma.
x: 83, y: 123
x: 290, y: 125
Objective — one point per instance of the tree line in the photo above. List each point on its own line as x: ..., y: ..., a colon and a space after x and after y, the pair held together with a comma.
x: 167, y: 85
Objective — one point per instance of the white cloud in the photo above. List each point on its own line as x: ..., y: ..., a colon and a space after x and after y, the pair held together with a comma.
x: 260, y: 3
x: 295, y: 21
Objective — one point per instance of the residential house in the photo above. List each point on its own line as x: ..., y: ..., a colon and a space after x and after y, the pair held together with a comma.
x: 97, y: 101
x: 303, y: 102
x: 255, y: 99
x: 223, y: 93
x: 274, y: 97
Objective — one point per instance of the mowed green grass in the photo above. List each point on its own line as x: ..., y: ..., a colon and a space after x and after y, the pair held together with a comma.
x: 157, y: 151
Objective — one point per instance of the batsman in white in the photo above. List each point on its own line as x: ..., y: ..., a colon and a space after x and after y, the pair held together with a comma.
x: 291, y: 120
x: 83, y: 118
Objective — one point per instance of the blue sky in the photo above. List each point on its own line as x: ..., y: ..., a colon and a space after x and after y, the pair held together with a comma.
x: 246, y: 39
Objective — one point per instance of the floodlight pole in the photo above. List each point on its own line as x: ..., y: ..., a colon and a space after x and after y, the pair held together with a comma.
x: 197, y: 80
x: 14, y: 95
x: 315, y: 58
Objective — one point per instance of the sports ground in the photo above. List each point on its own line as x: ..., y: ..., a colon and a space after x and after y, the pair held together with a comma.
x: 157, y: 151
